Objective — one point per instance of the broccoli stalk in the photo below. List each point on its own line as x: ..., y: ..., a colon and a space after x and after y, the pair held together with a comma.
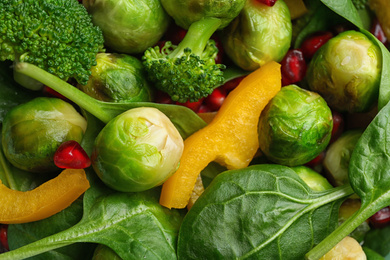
x: 187, y: 71
x: 55, y: 35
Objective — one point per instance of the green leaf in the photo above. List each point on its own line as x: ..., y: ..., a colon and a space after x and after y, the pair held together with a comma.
x: 345, y: 9
x: 134, y: 225
x: 261, y: 212
x: 378, y: 240
x: 369, y: 177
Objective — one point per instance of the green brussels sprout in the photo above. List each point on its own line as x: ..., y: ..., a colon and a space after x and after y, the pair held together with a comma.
x: 137, y: 150
x: 33, y: 131
x: 346, y: 72
x: 129, y: 26
x: 338, y: 154
x: 295, y: 126
x: 117, y: 78
x: 312, y: 178
x: 103, y: 252
x: 259, y: 34
x: 186, y: 12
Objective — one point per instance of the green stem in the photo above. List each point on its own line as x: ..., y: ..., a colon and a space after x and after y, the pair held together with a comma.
x: 342, y: 231
x: 197, y: 36
x: 80, y: 98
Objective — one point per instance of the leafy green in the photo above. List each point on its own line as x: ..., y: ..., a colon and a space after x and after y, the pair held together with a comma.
x: 134, y: 225
x: 260, y: 212
x: 378, y: 240
x: 369, y: 177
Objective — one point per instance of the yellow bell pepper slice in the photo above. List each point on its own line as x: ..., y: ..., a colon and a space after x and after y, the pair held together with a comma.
x: 44, y: 201
x: 230, y: 139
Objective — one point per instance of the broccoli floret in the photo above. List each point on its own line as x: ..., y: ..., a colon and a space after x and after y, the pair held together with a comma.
x: 55, y: 35
x: 360, y: 4
x: 187, y: 72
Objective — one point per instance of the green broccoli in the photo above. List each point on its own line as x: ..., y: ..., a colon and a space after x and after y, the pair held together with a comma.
x: 187, y: 72
x: 55, y: 35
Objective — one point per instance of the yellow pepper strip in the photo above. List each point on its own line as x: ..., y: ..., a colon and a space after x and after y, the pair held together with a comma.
x: 44, y: 201
x: 230, y: 139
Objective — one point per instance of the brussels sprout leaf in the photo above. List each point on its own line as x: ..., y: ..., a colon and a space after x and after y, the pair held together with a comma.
x: 260, y: 212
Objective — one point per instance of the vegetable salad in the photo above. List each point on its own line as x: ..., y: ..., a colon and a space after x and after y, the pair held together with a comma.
x: 178, y: 129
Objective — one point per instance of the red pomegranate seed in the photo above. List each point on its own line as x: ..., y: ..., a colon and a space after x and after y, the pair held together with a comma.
x: 377, y: 31
x: 267, y: 2
x: 310, y: 46
x: 194, y: 106
x: 293, y: 67
x: 381, y: 218
x: 215, y: 100
x: 49, y: 92
x: 338, y: 126
x: 70, y: 154
x: 231, y: 84
x: 204, y: 109
x: 3, y: 237
x: 163, y: 98
x: 316, y: 161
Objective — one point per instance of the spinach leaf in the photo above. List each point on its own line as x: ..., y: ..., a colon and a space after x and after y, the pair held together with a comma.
x: 261, y: 212
x: 134, y: 225
x: 369, y: 177
x: 23, y: 234
x: 378, y: 240
x: 345, y: 9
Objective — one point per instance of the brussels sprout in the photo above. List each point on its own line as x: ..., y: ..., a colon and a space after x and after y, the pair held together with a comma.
x: 295, y: 126
x: 103, y: 252
x: 186, y: 12
x: 312, y: 178
x: 33, y: 131
x: 338, y: 154
x: 259, y: 34
x: 346, y: 72
x: 137, y: 150
x: 129, y: 26
x: 117, y: 78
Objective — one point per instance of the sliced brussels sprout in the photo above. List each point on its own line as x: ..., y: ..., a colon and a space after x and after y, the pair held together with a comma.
x: 33, y: 131
x: 312, y: 178
x: 338, y: 154
x: 103, y: 252
x: 118, y: 78
x: 295, y: 126
x: 137, y: 150
x: 129, y: 26
x: 186, y: 12
x: 259, y: 34
x: 346, y: 72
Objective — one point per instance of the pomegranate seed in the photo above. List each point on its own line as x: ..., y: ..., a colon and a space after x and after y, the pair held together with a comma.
x: 231, y: 84
x: 70, y: 154
x: 267, y: 2
x: 3, y: 238
x: 204, y: 109
x: 49, y: 92
x: 218, y: 43
x: 381, y: 218
x: 316, y: 161
x: 163, y: 98
x: 338, y: 126
x: 310, y: 46
x: 194, y: 106
x: 215, y: 100
x: 293, y: 67
x: 377, y: 31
